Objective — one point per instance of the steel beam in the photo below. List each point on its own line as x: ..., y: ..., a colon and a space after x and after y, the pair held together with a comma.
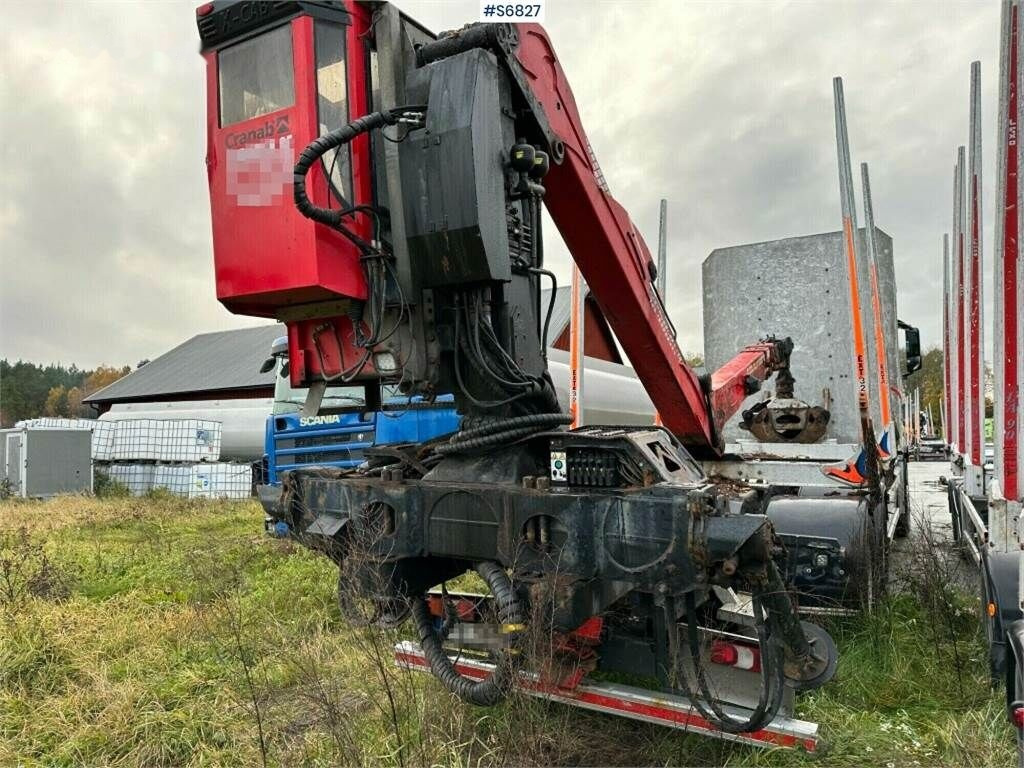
x: 876, y: 309
x: 974, y: 326
x: 1009, y: 272
x: 848, y: 209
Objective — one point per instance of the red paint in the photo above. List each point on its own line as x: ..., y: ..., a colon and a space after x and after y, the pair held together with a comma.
x: 589, y: 631
x: 729, y: 383
x: 585, y: 695
x: 961, y: 360
x: 465, y: 609
x: 299, y: 261
x: 1010, y: 263
x: 610, y: 252
x: 735, y: 655
x: 975, y: 323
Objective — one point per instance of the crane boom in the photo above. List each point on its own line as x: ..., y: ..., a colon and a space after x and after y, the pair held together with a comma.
x: 615, y: 260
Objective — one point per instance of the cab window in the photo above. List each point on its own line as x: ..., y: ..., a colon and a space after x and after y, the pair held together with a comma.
x: 332, y: 103
x: 256, y: 76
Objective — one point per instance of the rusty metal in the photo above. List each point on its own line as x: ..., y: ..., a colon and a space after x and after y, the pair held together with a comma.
x: 786, y: 421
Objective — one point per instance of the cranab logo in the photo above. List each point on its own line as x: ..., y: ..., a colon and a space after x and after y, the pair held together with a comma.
x: 277, y: 126
x: 314, y: 421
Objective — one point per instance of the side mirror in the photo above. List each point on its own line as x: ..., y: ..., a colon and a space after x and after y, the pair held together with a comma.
x: 284, y: 370
x: 912, y: 337
x: 268, y: 365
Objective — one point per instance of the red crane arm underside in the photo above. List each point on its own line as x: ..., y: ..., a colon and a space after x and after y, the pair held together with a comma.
x: 614, y: 259
x: 736, y: 380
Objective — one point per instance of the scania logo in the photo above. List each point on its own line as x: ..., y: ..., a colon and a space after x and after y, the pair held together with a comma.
x: 265, y: 132
x: 314, y: 421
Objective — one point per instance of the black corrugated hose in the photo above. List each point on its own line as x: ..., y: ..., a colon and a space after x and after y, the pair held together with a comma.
x: 772, y: 672
x: 500, y: 431
x: 492, y: 689
x: 332, y: 140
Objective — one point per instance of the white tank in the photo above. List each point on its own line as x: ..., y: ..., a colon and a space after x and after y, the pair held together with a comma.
x: 242, y: 420
x: 612, y: 394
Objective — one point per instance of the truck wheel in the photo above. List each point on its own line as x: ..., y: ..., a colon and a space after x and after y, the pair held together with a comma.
x: 364, y: 611
x: 1018, y: 700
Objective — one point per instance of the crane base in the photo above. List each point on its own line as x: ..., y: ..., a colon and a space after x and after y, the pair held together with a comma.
x: 647, y: 706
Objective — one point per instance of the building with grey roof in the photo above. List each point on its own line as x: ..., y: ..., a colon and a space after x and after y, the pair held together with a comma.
x: 220, y: 365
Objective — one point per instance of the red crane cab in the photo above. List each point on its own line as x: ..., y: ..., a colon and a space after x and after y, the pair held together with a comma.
x: 279, y: 75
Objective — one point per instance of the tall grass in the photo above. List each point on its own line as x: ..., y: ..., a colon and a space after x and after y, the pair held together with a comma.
x: 184, y: 636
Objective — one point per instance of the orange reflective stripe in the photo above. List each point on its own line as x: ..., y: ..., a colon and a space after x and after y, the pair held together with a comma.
x: 883, y: 374
x: 848, y: 473
x: 858, y: 331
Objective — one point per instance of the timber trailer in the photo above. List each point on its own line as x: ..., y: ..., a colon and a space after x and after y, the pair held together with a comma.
x: 836, y: 493
x: 836, y: 533
x: 986, y: 498
x: 378, y: 189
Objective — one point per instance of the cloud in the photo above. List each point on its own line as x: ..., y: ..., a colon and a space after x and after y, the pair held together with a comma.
x: 725, y: 109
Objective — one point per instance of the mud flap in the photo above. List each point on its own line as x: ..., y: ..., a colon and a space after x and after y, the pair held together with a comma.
x: 1002, y: 585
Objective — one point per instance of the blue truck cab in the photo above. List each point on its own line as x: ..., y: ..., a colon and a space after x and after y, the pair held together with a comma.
x: 341, y: 430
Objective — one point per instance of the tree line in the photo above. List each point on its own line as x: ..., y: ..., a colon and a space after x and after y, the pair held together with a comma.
x: 28, y: 390
x: 930, y: 380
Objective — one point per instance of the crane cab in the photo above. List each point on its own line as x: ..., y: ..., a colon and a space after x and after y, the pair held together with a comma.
x: 279, y: 75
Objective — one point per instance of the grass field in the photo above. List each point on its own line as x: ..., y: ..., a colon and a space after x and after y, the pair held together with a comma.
x: 156, y: 631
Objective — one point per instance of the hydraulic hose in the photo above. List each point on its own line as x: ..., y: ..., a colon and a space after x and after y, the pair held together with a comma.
x: 772, y: 673
x: 333, y: 140
x: 501, y: 431
x: 493, y: 688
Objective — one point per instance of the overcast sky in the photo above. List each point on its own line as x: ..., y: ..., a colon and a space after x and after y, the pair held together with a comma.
x: 724, y: 108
